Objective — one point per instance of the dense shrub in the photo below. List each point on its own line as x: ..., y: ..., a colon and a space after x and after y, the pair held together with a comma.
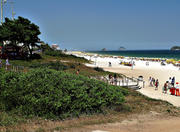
x: 98, y: 69
x: 45, y: 47
x: 59, y: 53
x: 36, y: 56
x: 73, y: 66
x: 53, y: 94
x: 51, y: 65
x: 54, y: 53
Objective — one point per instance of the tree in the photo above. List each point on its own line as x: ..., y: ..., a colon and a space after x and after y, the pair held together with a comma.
x: 45, y: 47
x: 20, y: 31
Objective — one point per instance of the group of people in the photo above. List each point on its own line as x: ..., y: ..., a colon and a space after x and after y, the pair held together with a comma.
x: 154, y: 82
x: 113, y: 79
x: 169, y: 84
x: 7, y: 64
x: 172, y: 81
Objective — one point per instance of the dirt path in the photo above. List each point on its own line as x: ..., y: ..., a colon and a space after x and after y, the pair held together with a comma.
x: 142, y: 123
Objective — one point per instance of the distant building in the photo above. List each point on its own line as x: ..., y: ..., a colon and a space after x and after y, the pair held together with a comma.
x: 55, y: 46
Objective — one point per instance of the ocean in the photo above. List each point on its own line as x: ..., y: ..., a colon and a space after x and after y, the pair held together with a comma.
x: 169, y: 54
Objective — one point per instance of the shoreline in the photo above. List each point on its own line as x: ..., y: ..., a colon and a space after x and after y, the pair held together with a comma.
x: 129, y: 56
x: 82, y: 54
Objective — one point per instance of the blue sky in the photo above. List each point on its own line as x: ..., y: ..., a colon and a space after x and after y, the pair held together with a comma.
x: 97, y: 24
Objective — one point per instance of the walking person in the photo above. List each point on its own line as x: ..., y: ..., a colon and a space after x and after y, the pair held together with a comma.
x: 177, y: 89
x: 154, y: 81
x: 115, y: 79
x: 110, y: 79
x: 173, y: 81
x: 169, y: 83
x: 7, y: 64
x: 110, y: 64
x: 165, y: 87
x: 150, y: 79
x: 156, y: 84
x: 151, y: 83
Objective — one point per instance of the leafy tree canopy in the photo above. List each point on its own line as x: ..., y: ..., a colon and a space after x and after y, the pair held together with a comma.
x: 20, y: 31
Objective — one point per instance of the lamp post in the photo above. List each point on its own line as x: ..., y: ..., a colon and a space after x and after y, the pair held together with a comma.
x: 2, y: 3
x: 13, y: 13
x: 1, y: 11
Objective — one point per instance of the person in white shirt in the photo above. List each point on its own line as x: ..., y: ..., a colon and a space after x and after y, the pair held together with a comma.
x: 7, y: 64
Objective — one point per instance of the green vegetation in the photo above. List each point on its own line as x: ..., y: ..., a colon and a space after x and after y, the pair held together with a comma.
x: 99, y: 69
x: 58, y: 94
x: 48, y: 87
x: 7, y: 119
x: 55, y: 53
x: 18, y: 31
x: 52, y: 94
x: 58, y: 53
x: 51, y: 65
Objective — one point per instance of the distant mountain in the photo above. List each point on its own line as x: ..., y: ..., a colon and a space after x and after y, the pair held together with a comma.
x: 122, y: 48
x: 175, y: 48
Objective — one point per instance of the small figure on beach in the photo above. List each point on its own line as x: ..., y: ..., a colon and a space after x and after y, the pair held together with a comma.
x: 115, y: 79
x: 173, y: 81
x: 7, y: 64
x: 110, y: 76
x: 134, y: 63
x: 177, y: 89
x: 177, y: 85
x: 165, y: 87
x: 110, y: 79
x: 110, y: 64
x: 150, y: 79
x: 156, y: 84
x: 152, y: 82
x: 169, y: 83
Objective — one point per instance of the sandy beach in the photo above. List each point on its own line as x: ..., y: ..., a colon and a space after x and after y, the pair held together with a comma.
x: 155, y: 69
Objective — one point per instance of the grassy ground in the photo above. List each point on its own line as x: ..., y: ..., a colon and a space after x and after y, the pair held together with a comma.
x: 135, y: 104
x: 73, y: 64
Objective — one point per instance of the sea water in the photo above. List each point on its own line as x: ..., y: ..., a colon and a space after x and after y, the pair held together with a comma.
x: 143, y: 53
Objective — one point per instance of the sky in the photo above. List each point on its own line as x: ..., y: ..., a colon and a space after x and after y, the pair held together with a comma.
x: 97, y: 24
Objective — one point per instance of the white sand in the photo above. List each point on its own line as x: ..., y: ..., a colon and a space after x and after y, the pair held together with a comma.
x: 155, y: 69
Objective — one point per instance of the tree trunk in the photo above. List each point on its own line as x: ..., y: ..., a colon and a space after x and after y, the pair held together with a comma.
x: 30, y: 51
